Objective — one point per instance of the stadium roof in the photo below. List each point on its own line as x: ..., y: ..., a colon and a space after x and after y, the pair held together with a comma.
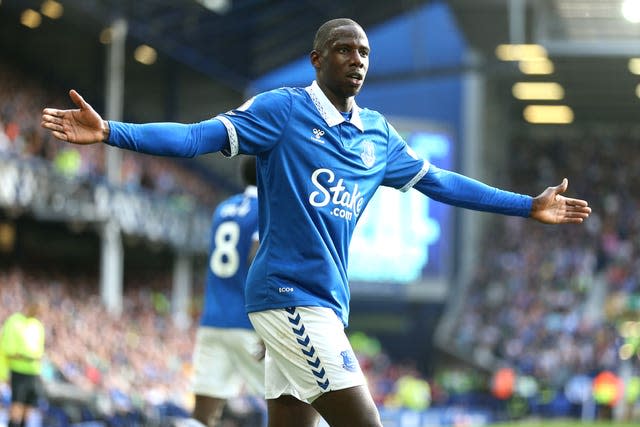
x: 231, y: 40
x: 234, y: 41
x: 588, y: 41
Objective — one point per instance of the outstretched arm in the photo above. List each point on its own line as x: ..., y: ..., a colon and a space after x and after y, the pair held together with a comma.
x: 551, y: 207
x: 78, y: 126
x: 85, y: 126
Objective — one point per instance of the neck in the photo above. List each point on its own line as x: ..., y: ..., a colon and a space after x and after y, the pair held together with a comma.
x: 341, y: 103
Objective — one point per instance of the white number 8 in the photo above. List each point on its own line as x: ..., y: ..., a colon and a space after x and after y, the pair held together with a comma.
x: 225, y: 259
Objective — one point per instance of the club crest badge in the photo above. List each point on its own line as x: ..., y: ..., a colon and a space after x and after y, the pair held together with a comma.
x: 349, y: 361
x: 368, y: 154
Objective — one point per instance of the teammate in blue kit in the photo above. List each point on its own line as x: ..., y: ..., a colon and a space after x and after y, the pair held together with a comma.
x: 228, y: 354
x: 320, y: 159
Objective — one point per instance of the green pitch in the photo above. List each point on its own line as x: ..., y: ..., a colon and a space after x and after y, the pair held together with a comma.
x: 566, y: 423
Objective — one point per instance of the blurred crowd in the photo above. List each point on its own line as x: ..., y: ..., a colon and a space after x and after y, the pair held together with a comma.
x: 21, y: 135
x: 549, y: 302
x: 141, y: 359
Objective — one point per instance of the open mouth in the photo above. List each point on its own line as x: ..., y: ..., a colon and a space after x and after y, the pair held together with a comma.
x: 355, y: 78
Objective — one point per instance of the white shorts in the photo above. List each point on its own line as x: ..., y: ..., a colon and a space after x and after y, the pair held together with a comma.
x: 226, y: 364
x: 308, y: 353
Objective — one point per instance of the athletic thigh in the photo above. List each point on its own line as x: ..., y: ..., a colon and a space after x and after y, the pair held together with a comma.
x: 352, y: 407
x: 208, y: 410
x: 288, y: 411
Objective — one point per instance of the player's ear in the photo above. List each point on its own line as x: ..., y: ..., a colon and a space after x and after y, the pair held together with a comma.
x: 314, y: 56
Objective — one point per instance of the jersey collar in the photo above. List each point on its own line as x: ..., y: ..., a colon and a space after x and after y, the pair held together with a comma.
x: 251, y: 191
x: 329, y: 113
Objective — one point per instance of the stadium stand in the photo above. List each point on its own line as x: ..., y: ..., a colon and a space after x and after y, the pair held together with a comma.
x: 550, y: 303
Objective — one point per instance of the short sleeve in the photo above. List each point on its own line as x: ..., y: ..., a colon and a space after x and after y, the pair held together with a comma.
x: 258, y: 124
x: 404, y: 167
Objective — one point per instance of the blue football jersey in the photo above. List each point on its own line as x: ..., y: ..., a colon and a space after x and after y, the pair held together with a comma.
x: 317, y: 171
x: 234, y: 228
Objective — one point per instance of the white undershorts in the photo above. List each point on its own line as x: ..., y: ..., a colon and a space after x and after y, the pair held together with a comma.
x: 226, y: 363
x: 307, y: 352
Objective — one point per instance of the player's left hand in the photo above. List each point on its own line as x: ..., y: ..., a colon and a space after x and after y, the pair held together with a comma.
x: 551, y: 207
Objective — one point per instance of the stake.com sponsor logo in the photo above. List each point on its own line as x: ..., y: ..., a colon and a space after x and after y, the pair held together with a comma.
x: 348, y: 205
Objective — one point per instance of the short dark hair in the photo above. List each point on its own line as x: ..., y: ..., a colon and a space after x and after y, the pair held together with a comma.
x: 323, y: 35
x: 248, y: 170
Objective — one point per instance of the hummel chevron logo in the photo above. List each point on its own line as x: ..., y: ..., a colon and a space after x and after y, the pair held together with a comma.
x: 309, y: 353
x: 315, y: 363
x: 319, y: 373
x: 304, y: 340
x: 296, y: 320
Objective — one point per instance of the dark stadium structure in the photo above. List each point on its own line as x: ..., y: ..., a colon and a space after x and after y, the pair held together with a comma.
x: 588, y: 41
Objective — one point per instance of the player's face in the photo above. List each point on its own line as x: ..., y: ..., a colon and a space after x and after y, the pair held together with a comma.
x: 343, y: 63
